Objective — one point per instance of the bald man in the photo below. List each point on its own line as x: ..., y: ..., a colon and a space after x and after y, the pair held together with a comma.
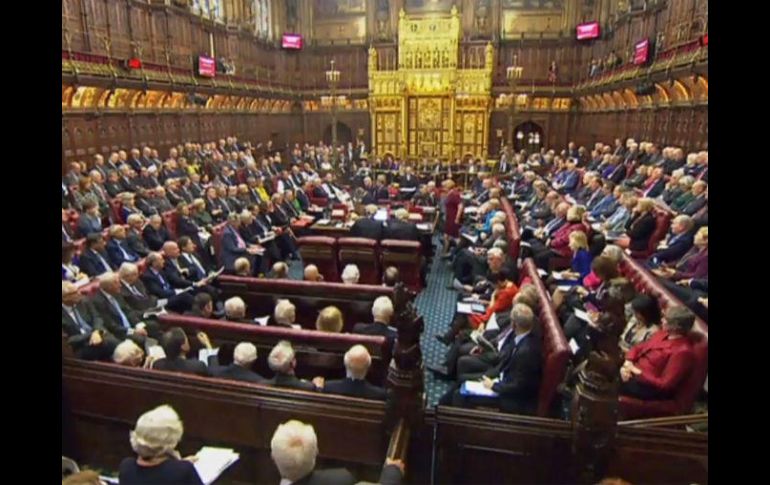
x: 312, y: 273
x: 357, y: 363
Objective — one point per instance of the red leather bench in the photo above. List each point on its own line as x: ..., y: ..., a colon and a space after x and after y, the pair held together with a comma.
x: 556, y: 352
x: 512, y: 231
x: 407, y: 257
x: 322, y: 252
x: 318, y: 353
x: 682, y: 403
x: 261, y: 295
x: 362, y: 252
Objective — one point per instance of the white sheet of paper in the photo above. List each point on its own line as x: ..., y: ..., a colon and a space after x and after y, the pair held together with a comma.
x: 564, y: 287
x: 423, y: 226
x: 82, y: 282
x: 213, y: 461
x: 471, y: 210
x: 492, y: 323
x: 525, y: 244
x: 477, y: 388
x: 156, y: 352
x: 557, y: 275
x: 542, y: 272
x: 162, y: 302
x: 204, y: 354
x: 583, y: 315
x: 470, y: 238
x: 262, y: 320
x: 464, y: 308
x: 573, y: 346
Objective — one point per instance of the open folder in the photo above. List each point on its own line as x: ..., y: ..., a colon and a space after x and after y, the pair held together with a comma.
x: 213, y: 461
x: 476, y: 388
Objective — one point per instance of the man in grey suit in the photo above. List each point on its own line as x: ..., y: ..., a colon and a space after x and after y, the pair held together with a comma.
x: 132, y: 289
x: 83, y: 327
x: 294, y: 448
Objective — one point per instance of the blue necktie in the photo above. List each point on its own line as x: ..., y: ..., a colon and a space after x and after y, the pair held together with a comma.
x: 162, y: 281
x: 84, y: 326
x: 126, y: 256
x: 115, y: 304
x: 105, y: 265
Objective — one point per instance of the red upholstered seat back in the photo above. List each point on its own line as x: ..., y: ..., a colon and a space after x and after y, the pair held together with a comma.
x: 555, y: 348
x: 512, y: 230
x: 322, y: 252
x: 407, y: 257
x: 169, y: 220
x: 682, y: 402
x: 116, y: 206
x: 362, y: 252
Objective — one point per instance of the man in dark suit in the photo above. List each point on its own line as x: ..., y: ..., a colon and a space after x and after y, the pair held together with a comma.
x: 382, y: 312
x: 133, y: 290
x: 154, y: 234
x: 654, y: 184
x: 367, y: 227
x: 112, y: 185
x: 294, y: 448
x: 175, y: 346
x: 244, y: 356
x: 357, y: 363
x: 119, y: 318
x: 399, y: 228
x: 83, y: 326
x: 233, y: 246
x: 700, y: 189
x: 676, y: 244
x: 197, y: 268
x: 157, y: 285
x: 517, y: 375
x: 282, y: 361
x: 95, y: 260
x: 182, y: 278
x: 118, y: 248
x: 90, y: 220
x: 134, y: 238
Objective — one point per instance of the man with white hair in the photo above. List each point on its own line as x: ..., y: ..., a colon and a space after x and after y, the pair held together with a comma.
x: 129, y: 354
x: 382, y: 313
x: 134, y: 237
x: 285, y: 314
x: 367, y: 226
x: 357, y: 363
x: 118, y: 316
x: 244, y: 356
x: 399, y: 227
x: 282, y: 361
x: 350, y: 274
x: 83, y: 327
x: 677, y: 242
x: 154, y: 234
x: 235, y: 310
x: 294, y: 448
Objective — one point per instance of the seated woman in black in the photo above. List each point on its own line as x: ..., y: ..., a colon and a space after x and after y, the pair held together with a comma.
x: 639, y: 227
x: 154, y: 440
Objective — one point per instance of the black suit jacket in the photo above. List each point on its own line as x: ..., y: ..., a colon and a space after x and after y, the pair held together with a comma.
x: 155, y: 287
x: 136, y: 243
x: 113, y: 188
x: 390, y: 475
x: 155, y: 238
x: 368, y: 228
x: 377, y: 328
x: 185, y: 226
x: 401, y: 230
x: 91, y: 265
x: 355, y: 388
x: 194, y: 272
x: 676, y: 250
x: 182, y: 365
x: 138, y: 303
x: 520, y: 378
x: 291, y: 381
x: 110, y: 316
x: 174, y: 276
x: 639, y: 229
x: 237, y: 373
x: 75, y: 337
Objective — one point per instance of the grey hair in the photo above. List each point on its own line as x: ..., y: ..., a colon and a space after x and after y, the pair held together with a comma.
x: 281, y: 357
x: 245, y: 353
x: 157, y: 432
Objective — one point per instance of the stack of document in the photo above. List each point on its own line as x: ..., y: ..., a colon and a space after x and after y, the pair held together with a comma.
x: 423, y: 226
x: 213, y: 461
x: 583, y: 315
x: 476, y: 388
x: 469, y: 308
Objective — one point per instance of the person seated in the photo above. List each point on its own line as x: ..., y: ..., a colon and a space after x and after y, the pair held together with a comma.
x: 330, y: 320
x: 244, y: 357
x: 134, y: 235
x: 200, y: 215
x: 176, y: 346
x: 400, y: 229
x: 567, y: 181
x: 184, y: 278
x: 294, y: 448
x: 69, y: 264
x: 591, y: 193
x: 643, y: 324
x: 676, y: 244
x: 128, y: 354
x: 235, y: 310
x: 692, y: 199
x: 94, y: 260
x: 558, y: 245
x: 580, y: 265
x: 83, y: 326
x: 311, y: 273
x: 202, y: 307
x: 154, y: 234
x: 157, y: 284
x: 118, y: 249
x: 280, y: 271
x: 382, y: 313
x: 694, y: 264
x: 656, y: 369
x: 282, y: 362
x: 233, y: 246
x: 639, y: 227
x: 118, y: 317
x: 391, y: 276
x: 90, y: 221
x: 128, y: 206
x: 154, y: 440
x: 608, y: 203
x: 284, y: 315
x: 350, y: 275
x: 242, y: 267
x: 534, y: 237
x: 604, y: 269
x: 367, y: 227
x: 357, y: 362
x: 516, y: 378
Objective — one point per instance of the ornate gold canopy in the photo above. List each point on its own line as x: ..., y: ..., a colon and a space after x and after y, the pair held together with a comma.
x: 428, y: 106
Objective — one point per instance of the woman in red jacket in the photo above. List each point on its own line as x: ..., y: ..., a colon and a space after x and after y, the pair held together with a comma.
x: 558, y: 245
x: 656, y: 368
x: 453, y: 214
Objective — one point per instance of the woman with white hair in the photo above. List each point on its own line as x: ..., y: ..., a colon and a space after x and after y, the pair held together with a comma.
x: 154, y: 439
x: 350, y: 274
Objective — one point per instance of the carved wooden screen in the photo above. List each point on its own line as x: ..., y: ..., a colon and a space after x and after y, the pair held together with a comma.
x: 387, y: 131
x: 469, y: 132
x: 429, y: 124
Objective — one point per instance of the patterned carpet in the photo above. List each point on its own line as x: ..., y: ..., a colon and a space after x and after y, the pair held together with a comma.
x: 437, y: 305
